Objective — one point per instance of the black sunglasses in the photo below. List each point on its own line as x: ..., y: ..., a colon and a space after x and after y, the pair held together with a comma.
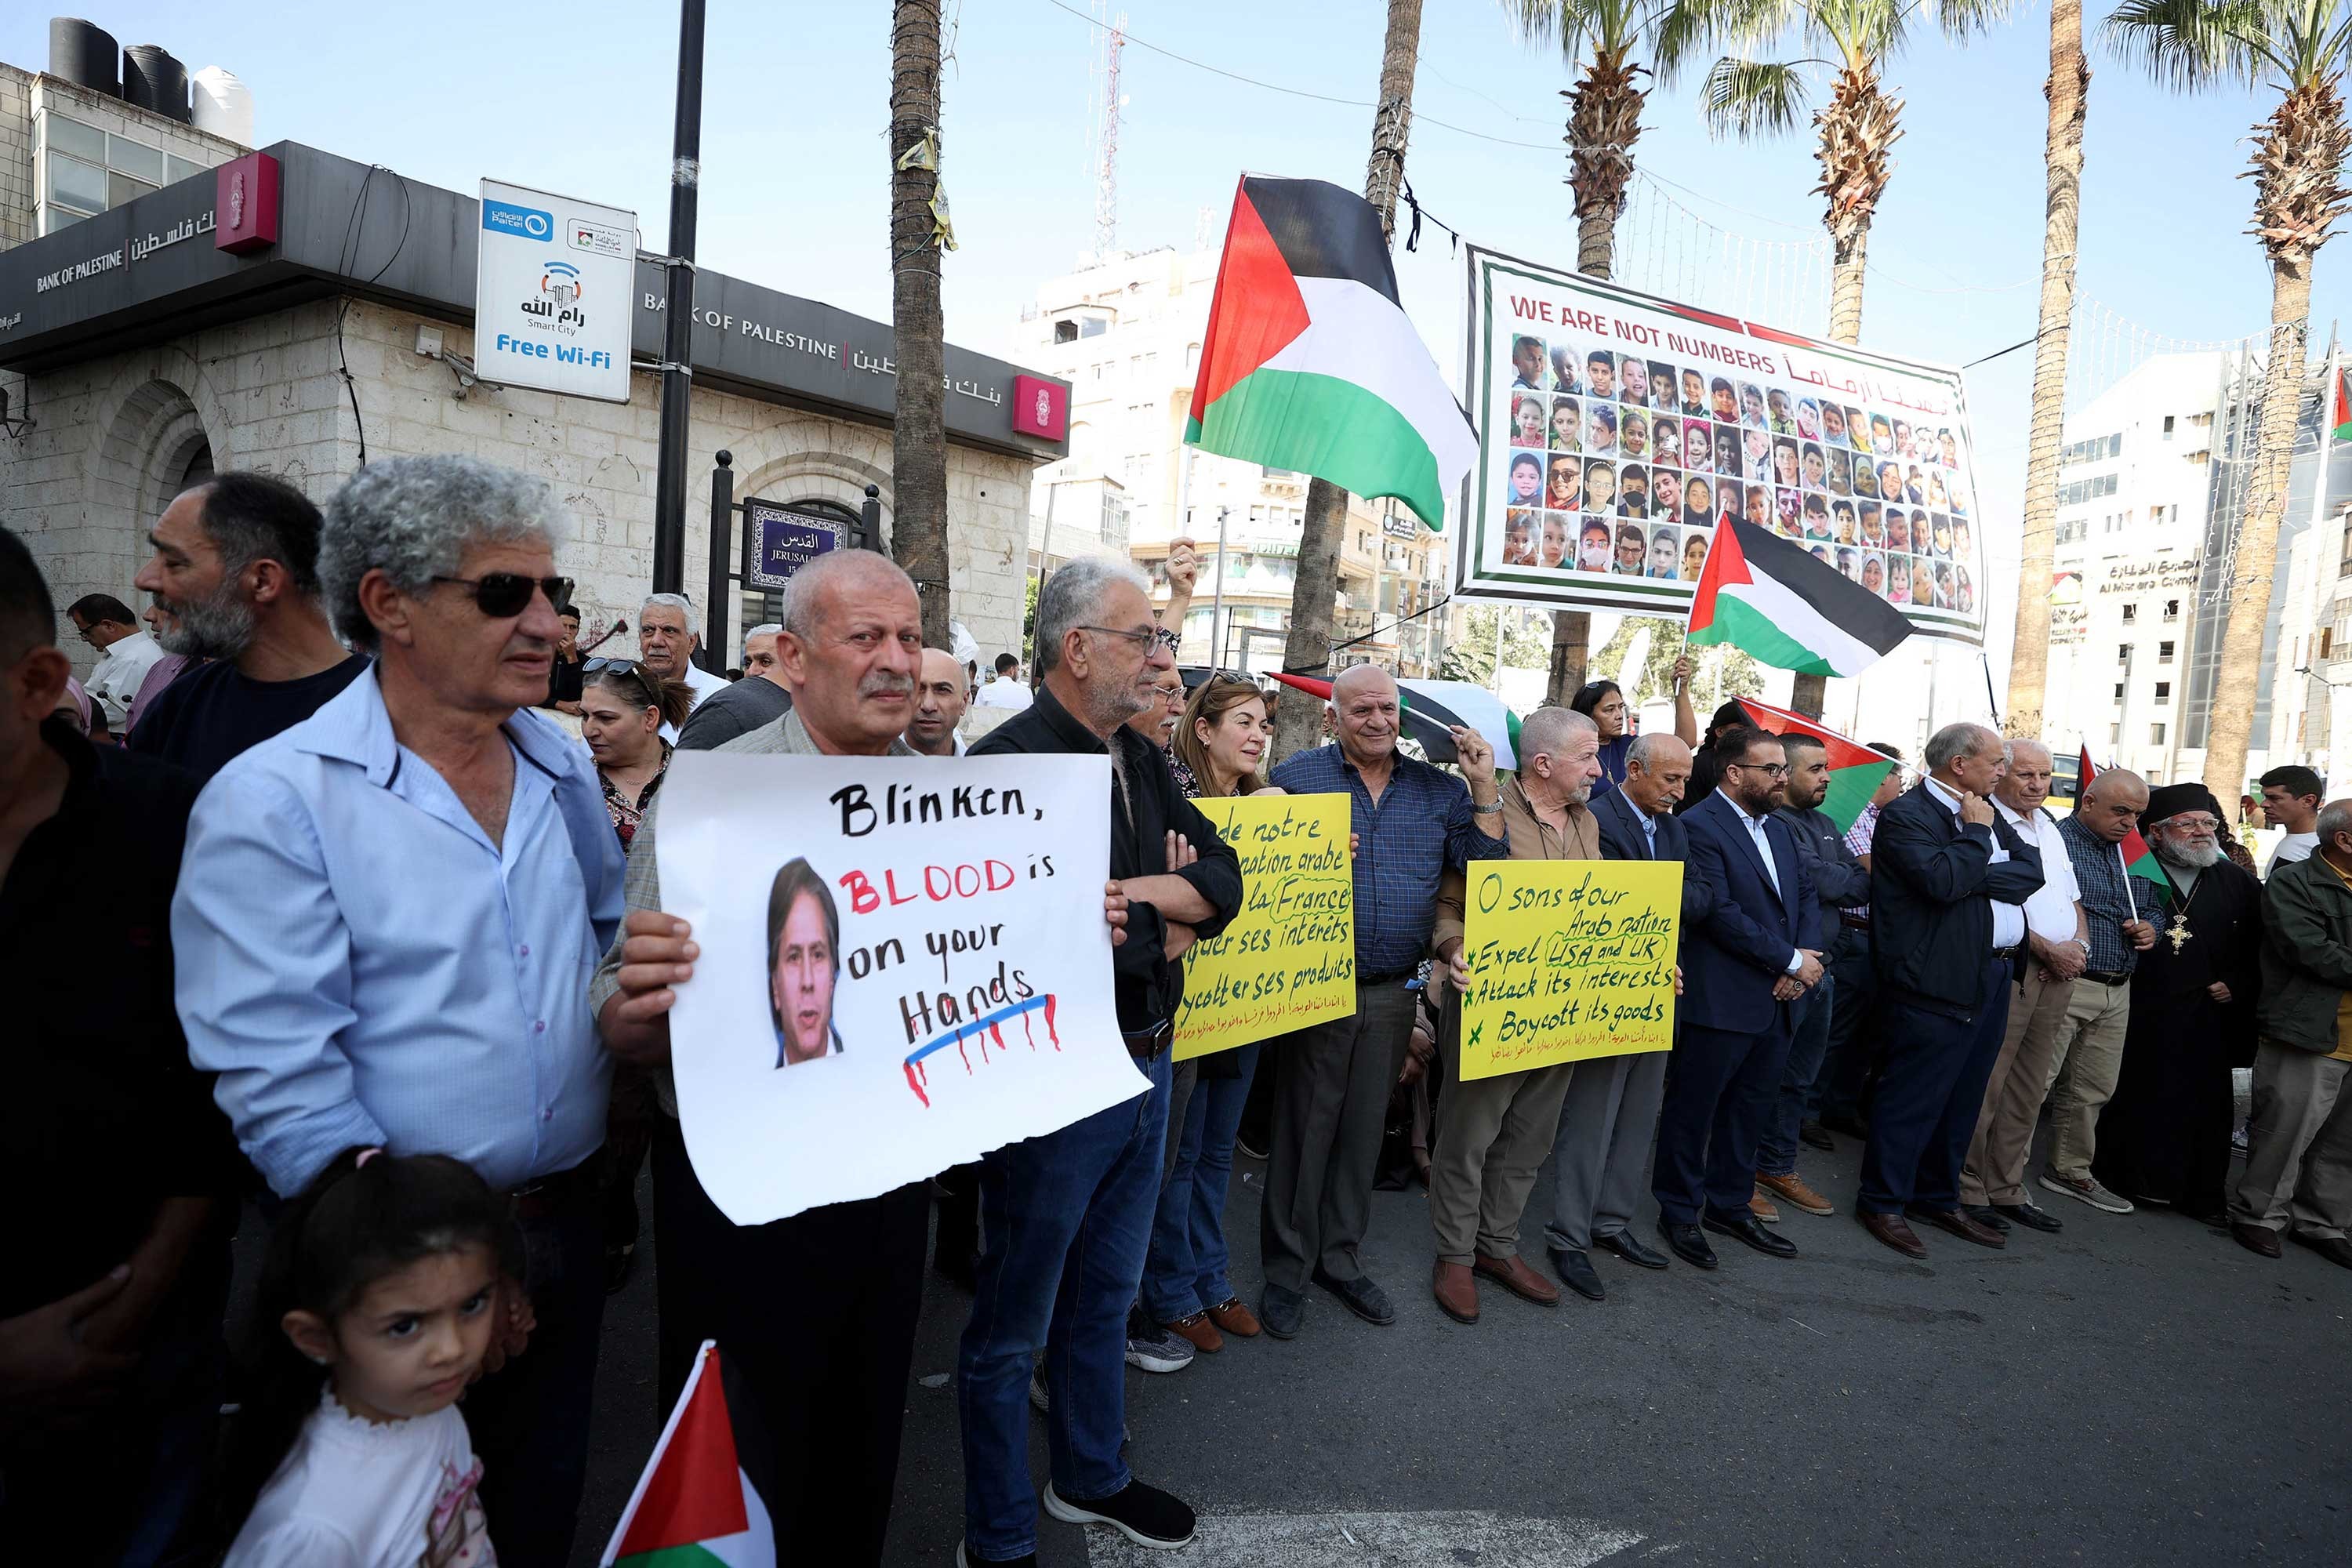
x: 500, y: 594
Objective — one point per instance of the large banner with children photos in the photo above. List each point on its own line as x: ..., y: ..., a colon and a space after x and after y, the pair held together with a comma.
x: 1615, y: 429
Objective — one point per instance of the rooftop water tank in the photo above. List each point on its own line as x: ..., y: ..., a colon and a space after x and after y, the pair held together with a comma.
x: 223, y: 105
x: 152, y: 79
x: 85, y: 54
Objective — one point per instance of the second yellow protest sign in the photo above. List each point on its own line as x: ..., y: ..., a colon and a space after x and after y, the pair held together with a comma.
x: 1288, y: 959
x: 1567, y: 960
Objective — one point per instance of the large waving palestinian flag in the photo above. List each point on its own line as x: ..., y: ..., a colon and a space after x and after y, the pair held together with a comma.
x: 1855, y: 770
x: 1779, y: 603
x: 1310, y: 362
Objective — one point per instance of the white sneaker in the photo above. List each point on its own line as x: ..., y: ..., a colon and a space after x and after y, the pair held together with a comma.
x: 2088, y: 1190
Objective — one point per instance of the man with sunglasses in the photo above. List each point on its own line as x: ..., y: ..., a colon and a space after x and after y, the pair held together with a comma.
x: 384, y: 914
x: 1748, y: 962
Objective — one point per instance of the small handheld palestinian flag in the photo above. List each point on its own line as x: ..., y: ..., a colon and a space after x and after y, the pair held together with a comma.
x: 1310, y: 362
x: 1855, y: 770
x: 693, y: 1506
x: 1774, y: 601
x: 2139, y: 860
x: 2343, y: 415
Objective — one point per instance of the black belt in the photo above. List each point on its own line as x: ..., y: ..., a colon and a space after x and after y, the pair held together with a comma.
x: 551, y: 1194
x: 1854, y: 922
x: 2107, y: 979
x: 2006, y: 953
x: 1146, y: 1044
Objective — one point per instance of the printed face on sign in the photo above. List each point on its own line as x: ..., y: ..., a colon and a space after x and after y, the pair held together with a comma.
x: 803, y: 963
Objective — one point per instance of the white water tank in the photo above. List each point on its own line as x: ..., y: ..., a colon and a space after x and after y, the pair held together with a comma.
x: 224, y: 105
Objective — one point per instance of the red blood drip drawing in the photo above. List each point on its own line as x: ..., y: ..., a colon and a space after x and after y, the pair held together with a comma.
x: 998, y: 1030
x: 1051, y: 1032
x: 964, y: 1054
x: 917, y: 1076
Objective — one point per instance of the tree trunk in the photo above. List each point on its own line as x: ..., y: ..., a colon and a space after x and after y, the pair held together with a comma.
x: 919, y: 451
x: 1298, y: 719
x: 2068, y: 92
x: 2256, y: 556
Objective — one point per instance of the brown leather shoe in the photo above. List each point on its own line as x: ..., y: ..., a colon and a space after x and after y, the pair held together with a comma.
x: 1791, y: 1190
x: 1456, y: 1291
x: 1202, y: 1333
x: 1236, y: 1318
x: 1958, y: 1222
x: 1891, y: 1229
x: 2255, y: 1238
x: 1512, y: 1274
x: 1761, y: 1207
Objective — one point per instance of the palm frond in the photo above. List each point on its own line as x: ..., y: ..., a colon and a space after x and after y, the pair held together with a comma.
x: 1753, y: 98
x: 1962, y: 19
x: 1685, y: 27
x: 2193, y: 44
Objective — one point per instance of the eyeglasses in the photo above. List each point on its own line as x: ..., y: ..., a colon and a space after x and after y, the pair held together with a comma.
x: 2193, y: 823
x: 1777, y: 769
x: 1140, y: 639
x: 500, y: 594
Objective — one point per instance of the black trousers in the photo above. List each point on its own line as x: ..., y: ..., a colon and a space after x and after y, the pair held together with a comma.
x: 1720, y: 1088
x: 1842, y: 1088
x: 529, y: 1419
x: 1930, y: 1093
x: 816, y: 1314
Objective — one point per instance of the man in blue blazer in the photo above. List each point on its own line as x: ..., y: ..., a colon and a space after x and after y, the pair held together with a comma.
x: 1611, y: 1113
x: 1756, y: 950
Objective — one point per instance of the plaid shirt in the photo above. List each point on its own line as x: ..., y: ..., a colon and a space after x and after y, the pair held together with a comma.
x: 2107, y: 902
x: 1421, y: 829
x: 1857, y: 838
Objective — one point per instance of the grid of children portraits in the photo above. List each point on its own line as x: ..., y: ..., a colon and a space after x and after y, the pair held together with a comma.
x: 1619, y: 460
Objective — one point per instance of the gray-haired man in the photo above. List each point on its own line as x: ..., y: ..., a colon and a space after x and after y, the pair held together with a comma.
x: 384, y: 916
x: 670, y: 630
x: 739, y: 706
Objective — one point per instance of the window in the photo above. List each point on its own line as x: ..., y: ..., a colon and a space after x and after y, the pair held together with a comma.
x: 2131, y: 614
x: 1065, y: 332
x: 2156, y: 734
x: 1093, y: 327
x: 1191, y: 358
x: 2115, y: 734
x: 2168, y: 426
x: 2123, y: 654
x: 2163, y: 691
x: 2171, y: 610
x: 86, y: 170
x: 2163, y: 653
x: 2119, y: 693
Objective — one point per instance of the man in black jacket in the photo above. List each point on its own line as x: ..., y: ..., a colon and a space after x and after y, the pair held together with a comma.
x: 1080, y: 1201
x: 1948, y: 881
x: 1839, y: 882
x: 1611, y: 1115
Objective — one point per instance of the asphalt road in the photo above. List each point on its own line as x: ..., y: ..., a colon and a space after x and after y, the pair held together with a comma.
x: 2135, y: 1391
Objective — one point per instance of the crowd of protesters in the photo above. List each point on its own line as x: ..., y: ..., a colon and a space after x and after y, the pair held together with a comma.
x: 333, y: 894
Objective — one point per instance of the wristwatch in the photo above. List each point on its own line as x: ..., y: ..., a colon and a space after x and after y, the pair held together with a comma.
x: 1486, y: 810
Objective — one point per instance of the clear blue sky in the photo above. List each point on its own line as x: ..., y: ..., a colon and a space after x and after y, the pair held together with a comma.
x: 578, y: 98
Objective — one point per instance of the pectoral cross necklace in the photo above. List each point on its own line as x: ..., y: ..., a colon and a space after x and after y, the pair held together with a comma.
x: 2180, y: 933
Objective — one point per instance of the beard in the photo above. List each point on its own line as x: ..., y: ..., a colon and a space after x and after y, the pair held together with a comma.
x: 2190, y: 858
x: 218, y: 627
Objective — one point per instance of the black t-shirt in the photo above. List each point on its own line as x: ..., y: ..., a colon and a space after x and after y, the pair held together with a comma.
x: 104, y: 1117
x: 209, y: 715
x: 565, y: 681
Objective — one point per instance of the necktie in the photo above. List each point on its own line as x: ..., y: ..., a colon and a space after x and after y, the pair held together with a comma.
x: 1650, y: 835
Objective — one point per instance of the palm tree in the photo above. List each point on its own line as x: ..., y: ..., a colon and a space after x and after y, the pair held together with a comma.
x: 1855, y: 131
x: 1604, y: 121
x: 2301, y: 50
x: 2068, y: 90
x: 1315, y: 592
x: 919, y: 451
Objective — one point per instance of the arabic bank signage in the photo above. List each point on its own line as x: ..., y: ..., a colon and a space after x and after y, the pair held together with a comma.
x: 784, y: 542
x: 554, y: 293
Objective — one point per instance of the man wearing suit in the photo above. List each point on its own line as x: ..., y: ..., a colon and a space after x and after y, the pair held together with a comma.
x: 1948, y: 881
x: 1756, y: 953
x: 1611, y: 1114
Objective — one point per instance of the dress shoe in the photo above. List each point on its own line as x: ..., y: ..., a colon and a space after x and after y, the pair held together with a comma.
x: 1575, y: 1271
x: 1512, y: 1274
x: 1746, y: 1227
x: 1851, y: 1126
x: 1958, y: 1222
x: 2030, y: 1216
x: 1195, y: 1329
x: 1761, y: 1208
x: 2257, y: 1239
x: 1362, y: 1297
x: 2334, y: 1248
x: 1632, y: 1249
x: 1793, y: 1190
x: 1891, y: 1229
x: 1281, y: 1312
x: 1456, y: 1289
x: 1234, y: 1317
x: 1986, y: 1215
x: 1688, y: 1242
x: 1813, y: 1135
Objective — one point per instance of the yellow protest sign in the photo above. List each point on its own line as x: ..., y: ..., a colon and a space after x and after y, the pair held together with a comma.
x: 1567, y: 960
x: 1288, y: 959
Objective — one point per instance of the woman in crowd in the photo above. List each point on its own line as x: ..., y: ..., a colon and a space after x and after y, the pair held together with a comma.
x: 623, y: 707
x: 1603, y: 703
x: 1227, y: 730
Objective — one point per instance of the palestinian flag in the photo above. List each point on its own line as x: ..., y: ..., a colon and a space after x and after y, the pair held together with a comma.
x: 693, y: 1506
x: 2343, y: 416
x: 2139, y: 860
x: 1772, y: 599
x: 1310, y: 362
x: 1855, y: 770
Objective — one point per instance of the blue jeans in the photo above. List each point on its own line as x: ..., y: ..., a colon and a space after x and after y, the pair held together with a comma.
x: 1064, y: 1221
x: 1186, y: 1271
x: 1776, y: 1152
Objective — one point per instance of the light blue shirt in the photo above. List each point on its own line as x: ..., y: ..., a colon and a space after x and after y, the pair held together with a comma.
x: 361, y: 966
x: 1754, y: 826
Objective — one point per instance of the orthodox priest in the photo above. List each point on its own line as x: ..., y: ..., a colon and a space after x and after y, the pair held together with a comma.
x: 2165, y: 1137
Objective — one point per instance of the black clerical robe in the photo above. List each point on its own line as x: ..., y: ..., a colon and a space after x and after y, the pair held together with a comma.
x: 2166, y: 1134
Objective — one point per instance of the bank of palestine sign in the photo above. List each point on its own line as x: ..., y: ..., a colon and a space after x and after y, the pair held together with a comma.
x: 554, y: 293
x: 1615, y: 429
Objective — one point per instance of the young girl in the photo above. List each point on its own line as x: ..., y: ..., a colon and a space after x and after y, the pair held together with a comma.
x: 381, y: 1284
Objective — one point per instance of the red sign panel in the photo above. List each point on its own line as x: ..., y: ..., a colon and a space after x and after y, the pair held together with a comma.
x: 1040, y: 407
x: 245, y: 209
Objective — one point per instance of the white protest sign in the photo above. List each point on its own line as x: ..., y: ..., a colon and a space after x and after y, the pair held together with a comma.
x: 554, y: 289
x: 904, y: 965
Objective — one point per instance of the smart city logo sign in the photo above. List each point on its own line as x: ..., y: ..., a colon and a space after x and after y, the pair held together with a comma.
x: 521, y: 222
x: 557, y: 305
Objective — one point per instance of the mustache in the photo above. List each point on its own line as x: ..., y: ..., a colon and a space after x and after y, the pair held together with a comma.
x: 885, y: 683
